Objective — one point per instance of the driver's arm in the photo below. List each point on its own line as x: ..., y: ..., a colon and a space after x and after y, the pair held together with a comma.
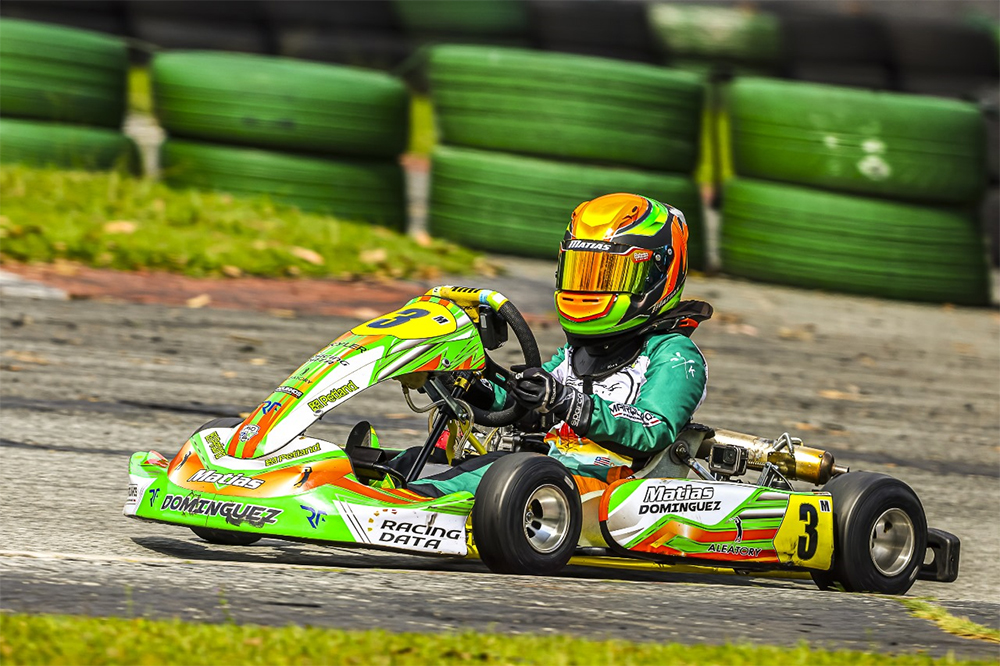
x: 479, y: 396
x: 674, y: 388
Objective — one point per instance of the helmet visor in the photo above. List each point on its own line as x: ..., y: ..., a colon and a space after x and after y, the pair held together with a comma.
x: 581, y: 270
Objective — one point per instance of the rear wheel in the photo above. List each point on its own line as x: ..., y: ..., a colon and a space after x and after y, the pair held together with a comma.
x: 880, y: 534
x: 527, y: 515
x: 224, y: 537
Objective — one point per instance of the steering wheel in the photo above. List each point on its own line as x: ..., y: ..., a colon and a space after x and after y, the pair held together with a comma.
x: 501, y: 375
x: 385, y: 469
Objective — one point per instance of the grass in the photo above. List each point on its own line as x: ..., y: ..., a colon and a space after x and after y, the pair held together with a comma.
x: 959, y: 626
x: 115, y: 221
x: 54, y: 639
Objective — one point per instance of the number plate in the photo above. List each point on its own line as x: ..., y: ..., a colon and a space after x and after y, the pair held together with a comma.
x: 805, y: 537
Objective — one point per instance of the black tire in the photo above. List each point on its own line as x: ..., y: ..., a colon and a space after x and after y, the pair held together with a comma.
x: 567, y: 106
x: 505, y: 518
x: 224, y: 537
x: 603, y: 28
x: 222, y: 422
x: 52, y: 72
x: 862, y: 501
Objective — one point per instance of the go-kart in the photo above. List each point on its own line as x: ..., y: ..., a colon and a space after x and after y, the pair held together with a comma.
x: 237, y: 480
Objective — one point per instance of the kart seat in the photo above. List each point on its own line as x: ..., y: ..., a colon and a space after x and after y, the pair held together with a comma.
x: 660, y: 466
x: 362, y: 455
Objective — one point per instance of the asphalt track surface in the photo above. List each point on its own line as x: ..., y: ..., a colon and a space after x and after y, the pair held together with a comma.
x: 910, y: 390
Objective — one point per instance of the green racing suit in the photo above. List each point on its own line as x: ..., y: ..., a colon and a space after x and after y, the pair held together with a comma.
x: 638, y: 410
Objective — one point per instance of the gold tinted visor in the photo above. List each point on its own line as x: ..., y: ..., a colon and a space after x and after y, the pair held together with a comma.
x: 602, y: 271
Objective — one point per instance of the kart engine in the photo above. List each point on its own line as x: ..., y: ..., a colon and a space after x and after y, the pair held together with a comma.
x: 733, y: 453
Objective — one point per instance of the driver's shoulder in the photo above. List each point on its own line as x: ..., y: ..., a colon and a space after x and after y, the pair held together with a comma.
x: 667, y: 344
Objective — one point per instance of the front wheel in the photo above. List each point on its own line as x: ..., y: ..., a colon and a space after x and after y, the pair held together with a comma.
x: 527, y: 516
x: 880, y: 534
x: 226, y: 537
x: 223, y: 537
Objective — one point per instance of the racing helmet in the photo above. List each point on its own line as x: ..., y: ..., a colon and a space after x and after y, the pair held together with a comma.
x: 622, y: 263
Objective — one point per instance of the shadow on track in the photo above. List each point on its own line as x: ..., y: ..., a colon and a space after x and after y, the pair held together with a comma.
x: 282, y: 552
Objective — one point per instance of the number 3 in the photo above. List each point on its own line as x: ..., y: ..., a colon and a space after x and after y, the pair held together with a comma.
x: 809, y: 541
x: 400, y: 317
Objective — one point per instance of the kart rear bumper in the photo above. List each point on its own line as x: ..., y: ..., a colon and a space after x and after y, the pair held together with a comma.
x: 946, y: 548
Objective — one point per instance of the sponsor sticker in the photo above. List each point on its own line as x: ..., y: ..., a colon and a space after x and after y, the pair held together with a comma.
x: 248, y: 432
x: 132, y: 497
x: 640, y: 256
x: 333, y: 396
x: 329, y: 359
x: 593, y: 246
x: 291, y: 455
x: 679, y: 499
x: 351, y: 345
x: 215, y: 445
x: 294, y: 392
x: 742, y: 551
x: 315, y: 516
x: 417, y: 535
x: 230, y: 479
x: 235, y: 513
x: 620, y: 410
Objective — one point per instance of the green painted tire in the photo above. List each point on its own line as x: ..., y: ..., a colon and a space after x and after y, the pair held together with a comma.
x: 885, y: 144
x: 483, y: 17
x: 569, y: 106
x: 51, y: 72
x: 717, y: 33
x: 41, y: 144
x: 521, y: 205
x: 809, y: 238
x: 371, y: 191
x: 281, y: 103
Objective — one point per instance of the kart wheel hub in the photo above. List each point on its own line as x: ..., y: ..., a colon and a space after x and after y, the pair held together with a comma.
x: 892, y: 542
x: 546, y: 519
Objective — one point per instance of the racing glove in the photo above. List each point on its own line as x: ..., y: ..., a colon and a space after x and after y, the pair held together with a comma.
x: 536, y: 389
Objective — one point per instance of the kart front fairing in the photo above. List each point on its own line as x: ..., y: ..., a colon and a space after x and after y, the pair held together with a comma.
x: 266, y: 476
x: 426, y: 334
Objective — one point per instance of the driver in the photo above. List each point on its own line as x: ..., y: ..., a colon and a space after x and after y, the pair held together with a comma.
x: 629, y: 378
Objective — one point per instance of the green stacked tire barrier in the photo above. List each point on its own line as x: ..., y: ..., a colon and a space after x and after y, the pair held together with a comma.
x: 521, y: 205
x: 42, y: 144
x: 370, y: 190
x: 873, y: 143
x: 56, y: 73
x: 567, y: 106
x: 280, y: 103
x: 810, y: 238
x: 447, y: 17
x: 710, y: 36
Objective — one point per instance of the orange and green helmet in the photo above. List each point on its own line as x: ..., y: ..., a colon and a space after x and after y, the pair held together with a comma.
x: 622, y: 263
